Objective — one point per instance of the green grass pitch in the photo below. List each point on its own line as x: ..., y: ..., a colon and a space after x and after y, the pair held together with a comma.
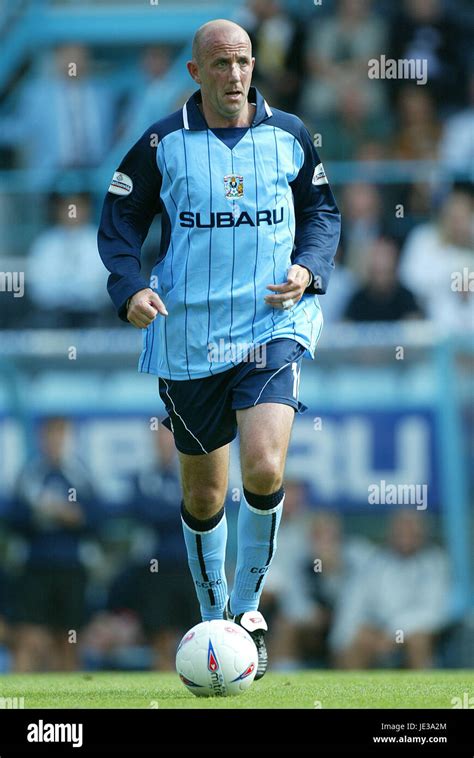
x: 302, y: 689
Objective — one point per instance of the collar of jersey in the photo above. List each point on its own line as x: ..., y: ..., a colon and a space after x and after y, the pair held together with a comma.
x: 194, y: 120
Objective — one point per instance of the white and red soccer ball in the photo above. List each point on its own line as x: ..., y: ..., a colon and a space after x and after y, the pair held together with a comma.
x: 217, y: 658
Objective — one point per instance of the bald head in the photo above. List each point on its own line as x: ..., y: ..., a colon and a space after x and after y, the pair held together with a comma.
x: 217, y: 32
x: 222, y: 65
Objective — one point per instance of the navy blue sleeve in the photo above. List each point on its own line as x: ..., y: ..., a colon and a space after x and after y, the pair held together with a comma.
x: 131, y: 203
x: 318, y: 221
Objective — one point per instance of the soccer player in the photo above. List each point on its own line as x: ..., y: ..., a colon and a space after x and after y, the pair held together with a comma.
x: 249, y: 233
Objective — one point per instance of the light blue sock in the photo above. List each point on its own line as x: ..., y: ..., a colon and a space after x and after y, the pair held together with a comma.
x: 206, y: 543
x: 257, y: 527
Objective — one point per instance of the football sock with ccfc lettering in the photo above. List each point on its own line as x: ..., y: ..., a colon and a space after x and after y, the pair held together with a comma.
x: 257, y: 527
x: 205, y: 544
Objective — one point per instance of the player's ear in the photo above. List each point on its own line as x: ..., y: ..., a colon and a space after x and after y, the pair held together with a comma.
x: 193, y: 71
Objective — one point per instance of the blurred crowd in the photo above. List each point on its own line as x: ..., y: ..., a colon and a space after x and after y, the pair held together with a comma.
x: 88, y: 587
x: 79, y: 104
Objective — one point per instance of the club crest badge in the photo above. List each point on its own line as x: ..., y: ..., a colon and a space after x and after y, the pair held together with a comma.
x: 233, y: 186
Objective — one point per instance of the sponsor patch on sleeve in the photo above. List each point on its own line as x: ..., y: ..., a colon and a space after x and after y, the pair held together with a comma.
x: 319, y: 176
x: 121, y: 184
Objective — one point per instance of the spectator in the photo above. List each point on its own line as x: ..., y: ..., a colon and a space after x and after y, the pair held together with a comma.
x: 157, y: 95
x: 343, y: 285
x: 65, y: 117
x: 418, y: 131
x: 156, y: 585
x: 54, y: 510
x: 416, y: 202
x: 113, y: 640
x: 353, y: 127
x: 278, y: 46
x: 66, y: 281
x: 435, y: 253
x: 340, y: 46
x: 363, y: 224
x: 397, y: 601
x: 309, y: 588
x: 282, y: 585
x: 382, y: 298
x: 457, y: 141
x: 334, y: 557
x: 424, y: 31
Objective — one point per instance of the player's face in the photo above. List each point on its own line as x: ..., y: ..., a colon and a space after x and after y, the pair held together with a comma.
x: 226, y: 74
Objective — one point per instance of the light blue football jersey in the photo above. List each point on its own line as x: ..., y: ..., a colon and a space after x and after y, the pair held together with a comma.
x: 239, y: 207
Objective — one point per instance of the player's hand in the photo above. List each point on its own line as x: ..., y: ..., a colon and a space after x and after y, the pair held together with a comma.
x: 143, y: 308
x: 288, y: 294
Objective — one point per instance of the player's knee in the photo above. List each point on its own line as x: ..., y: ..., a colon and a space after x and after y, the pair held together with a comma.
x: 263, y: 474
x: 203, y: 501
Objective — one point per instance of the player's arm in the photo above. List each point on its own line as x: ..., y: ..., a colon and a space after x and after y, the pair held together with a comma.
x: 318, y: 226
x: 318, y: 221
x: 131, y: 203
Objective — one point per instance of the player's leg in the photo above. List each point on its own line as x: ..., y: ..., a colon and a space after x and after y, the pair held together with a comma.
x: 204, y: 480
x: 203, y: 423
x: 265, y: 397
x: 264, y: 437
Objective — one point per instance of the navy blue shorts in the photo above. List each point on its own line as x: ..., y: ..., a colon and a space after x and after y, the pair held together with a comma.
x: 202, y: 412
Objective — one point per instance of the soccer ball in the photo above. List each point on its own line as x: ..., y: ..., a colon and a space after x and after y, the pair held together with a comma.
x: 217, y: 658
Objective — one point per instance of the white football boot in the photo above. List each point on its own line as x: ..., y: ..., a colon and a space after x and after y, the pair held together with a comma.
x: 253, y: 623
